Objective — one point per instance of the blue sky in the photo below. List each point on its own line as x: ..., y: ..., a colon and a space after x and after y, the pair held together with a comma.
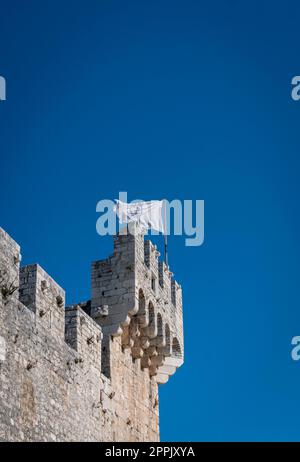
x: 169, y: 99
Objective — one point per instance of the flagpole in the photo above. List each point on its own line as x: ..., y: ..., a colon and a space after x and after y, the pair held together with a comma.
x: 165, y: 234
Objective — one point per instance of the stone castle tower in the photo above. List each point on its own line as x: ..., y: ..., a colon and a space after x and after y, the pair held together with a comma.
x: 88, y: 372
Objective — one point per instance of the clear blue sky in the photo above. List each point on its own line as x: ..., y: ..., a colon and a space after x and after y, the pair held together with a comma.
x: 169, y: 99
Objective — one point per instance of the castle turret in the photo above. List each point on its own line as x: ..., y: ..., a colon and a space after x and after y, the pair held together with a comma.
x: 134, y: 296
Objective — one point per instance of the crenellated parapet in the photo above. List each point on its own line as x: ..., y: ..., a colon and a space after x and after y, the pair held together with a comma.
x: 10, y: 258
x: 135, y: 296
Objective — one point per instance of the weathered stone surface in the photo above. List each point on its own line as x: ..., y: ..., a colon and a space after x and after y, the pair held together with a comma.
x: 89, y: 372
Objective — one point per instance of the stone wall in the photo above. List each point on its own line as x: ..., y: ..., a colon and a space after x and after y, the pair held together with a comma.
x: 80, y: 374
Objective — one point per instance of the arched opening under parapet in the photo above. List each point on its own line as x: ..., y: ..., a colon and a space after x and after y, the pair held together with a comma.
x: 176, y: 350
x: 142, y: 314
x: 142, y: 302
x: 160, y: 330
x: 151, y: 326
x: 168, y: 340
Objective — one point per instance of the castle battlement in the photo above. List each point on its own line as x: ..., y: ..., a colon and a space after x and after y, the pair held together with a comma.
x: 89, y: 371
x: 134, y: 296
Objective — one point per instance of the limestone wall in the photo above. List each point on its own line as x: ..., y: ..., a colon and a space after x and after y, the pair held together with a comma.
x: 85, y: 373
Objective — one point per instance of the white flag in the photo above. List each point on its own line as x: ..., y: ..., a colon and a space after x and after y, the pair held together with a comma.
x: 147, y: 214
